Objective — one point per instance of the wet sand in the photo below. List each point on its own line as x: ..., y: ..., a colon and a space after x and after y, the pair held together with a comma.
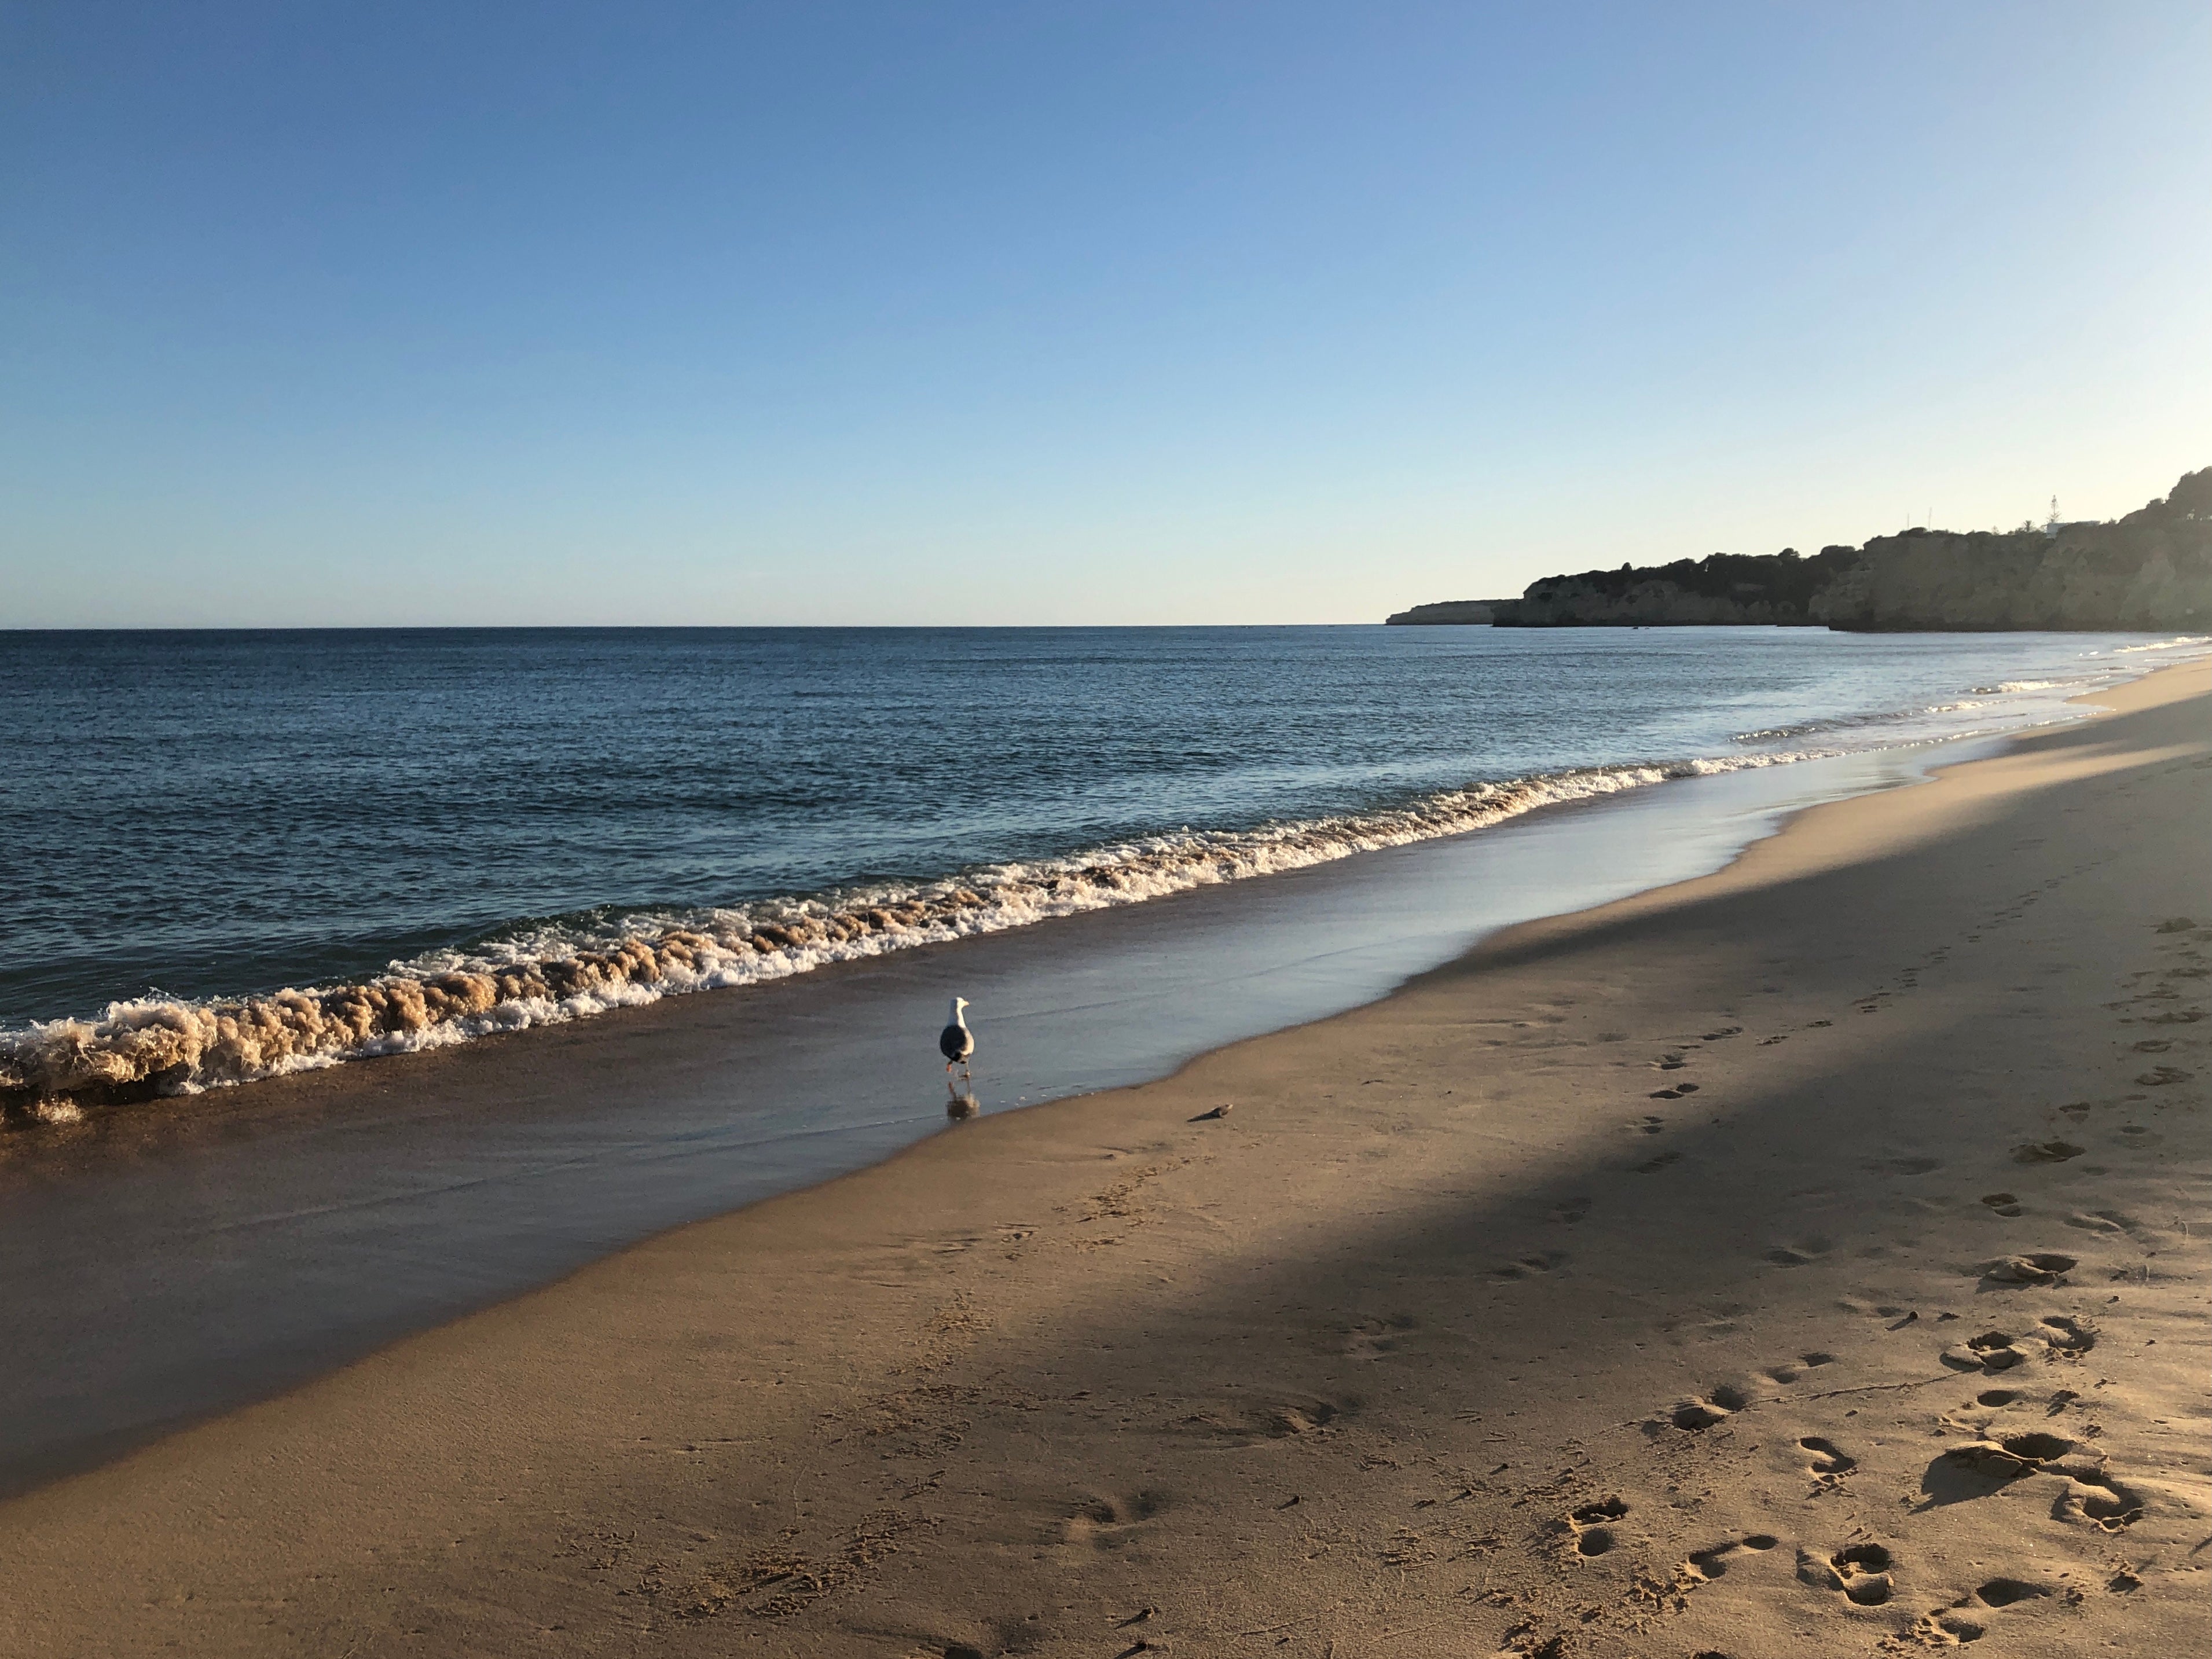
x: 1806, y: 1258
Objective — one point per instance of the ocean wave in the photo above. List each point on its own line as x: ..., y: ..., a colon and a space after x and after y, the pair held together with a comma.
x: 1891, y: 717
x: 157, y: 1045
x: 2177, y: 643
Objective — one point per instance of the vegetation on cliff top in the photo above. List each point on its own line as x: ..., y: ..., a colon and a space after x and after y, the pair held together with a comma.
x: 2150, y: 569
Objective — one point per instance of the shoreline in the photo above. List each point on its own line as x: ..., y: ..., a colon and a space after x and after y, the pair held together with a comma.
x: 1461, y: 1328
x: 228, y: 1252
x: 558, y: 971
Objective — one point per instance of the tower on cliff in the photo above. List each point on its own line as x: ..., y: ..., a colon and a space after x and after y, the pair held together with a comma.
x: 2051, y: 524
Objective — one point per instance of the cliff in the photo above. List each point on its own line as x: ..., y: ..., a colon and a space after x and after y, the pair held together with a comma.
x: 2129, y: 574
x: 1774, y: 588
x: 2150, y: 570
x: 1447, y: 610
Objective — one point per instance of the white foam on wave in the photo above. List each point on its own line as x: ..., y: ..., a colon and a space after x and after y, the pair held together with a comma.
x: 2181, y: 642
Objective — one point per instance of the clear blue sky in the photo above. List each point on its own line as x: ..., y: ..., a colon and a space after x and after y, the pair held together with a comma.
x: 326, y: 313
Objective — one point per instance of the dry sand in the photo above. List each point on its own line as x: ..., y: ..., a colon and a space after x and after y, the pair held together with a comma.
x: 1807, y: 1259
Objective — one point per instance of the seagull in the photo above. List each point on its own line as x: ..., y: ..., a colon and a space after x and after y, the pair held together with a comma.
x: 956, y: 1041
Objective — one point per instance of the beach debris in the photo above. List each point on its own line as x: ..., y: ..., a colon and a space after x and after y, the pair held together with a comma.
x: 1221, y: 1111
x: 2177, y: 924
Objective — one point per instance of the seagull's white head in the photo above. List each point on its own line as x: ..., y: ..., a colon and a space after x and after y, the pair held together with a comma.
x: 958, y: 1004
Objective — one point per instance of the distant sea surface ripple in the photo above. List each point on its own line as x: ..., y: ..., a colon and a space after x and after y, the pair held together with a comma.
x: 225, y: 855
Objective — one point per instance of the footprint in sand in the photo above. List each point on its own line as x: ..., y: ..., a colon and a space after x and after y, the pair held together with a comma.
x: 1711, y: 1563
x: 1829, y: 1463
x: 2102, y: 1221
x: 2003, y: 1203
x: 2099, y: 1500
x: 1108, y: 1523
x: 1945, y: 1629
x: 2043, y: 1267
x: 1701, y: 1413
x: 1571, y: 1211
x: 1670, y: 1063
x: 1588, y: 1527
x: 1674, y: 1092
x: 1992, y: 1351
x: 2046, y: 1152
x: 1653, y: 1165
x: 1239, y: 1424
x: 2070, y: 1338
x: 1861, y: 1571
x: 1725, y: 1031
x: 1373, y: 1338
x: 1798, y: 1255
x: 1789, y: 1371
x: 1530, y: 1266
x: 1904, y: 1166
x: 2011, y: 1592
x: 1982, y: 1466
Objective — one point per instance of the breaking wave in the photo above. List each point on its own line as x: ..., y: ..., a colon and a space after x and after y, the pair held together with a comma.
x: 1887, y: 718
x: 51, y: 1070
x: 2179, y: 641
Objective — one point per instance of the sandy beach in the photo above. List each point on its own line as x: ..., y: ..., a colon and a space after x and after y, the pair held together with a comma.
x: 1808, y: 1258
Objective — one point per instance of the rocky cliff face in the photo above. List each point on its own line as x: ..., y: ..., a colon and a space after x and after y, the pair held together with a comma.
x: 2092, y: 575
x: 1462, y: 612
x: 2151, y: 570
x: 1774, y: 589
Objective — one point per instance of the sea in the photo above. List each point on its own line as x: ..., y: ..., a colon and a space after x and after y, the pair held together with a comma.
x: 353, y: 981
x: 230, y: 856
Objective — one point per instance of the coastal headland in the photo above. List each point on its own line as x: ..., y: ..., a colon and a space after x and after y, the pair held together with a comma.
x: 1807, y: 1258
x: 2151, y: 569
